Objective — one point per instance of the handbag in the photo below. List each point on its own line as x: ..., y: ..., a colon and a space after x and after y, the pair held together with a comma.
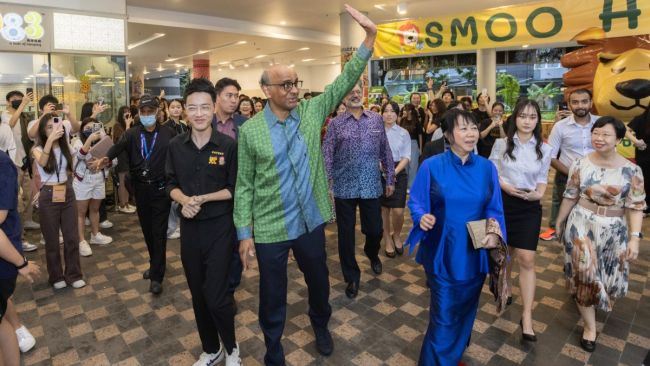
x: 477, y: 233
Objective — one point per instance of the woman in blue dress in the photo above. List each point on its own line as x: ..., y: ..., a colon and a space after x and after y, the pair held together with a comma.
x: 451, y: 189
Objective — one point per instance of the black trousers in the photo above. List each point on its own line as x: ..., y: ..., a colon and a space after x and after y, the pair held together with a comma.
x: 206, y: 252
x: 234, y: 277
x: 371, y: 227
x: 309, y: 251
x: 153, y: 212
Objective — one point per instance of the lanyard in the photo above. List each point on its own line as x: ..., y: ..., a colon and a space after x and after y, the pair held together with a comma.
x: 57, y: 165
x: 144, y: 149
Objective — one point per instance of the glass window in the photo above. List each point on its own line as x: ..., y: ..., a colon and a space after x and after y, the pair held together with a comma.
x: 21, y: 71
x: 444, y: 61
x: 466, y: 59
x: 78, y: 79
x: 501, y: 57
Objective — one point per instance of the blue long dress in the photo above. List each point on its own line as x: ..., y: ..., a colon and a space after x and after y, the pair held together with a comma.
x: 454, y: 193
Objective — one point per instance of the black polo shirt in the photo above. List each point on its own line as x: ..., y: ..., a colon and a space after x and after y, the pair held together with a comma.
x: 131, y: 143
x: 201, y: 171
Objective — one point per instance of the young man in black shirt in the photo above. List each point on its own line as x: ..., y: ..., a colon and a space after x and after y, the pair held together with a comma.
x: 146, y: 146
x: 201, y: 172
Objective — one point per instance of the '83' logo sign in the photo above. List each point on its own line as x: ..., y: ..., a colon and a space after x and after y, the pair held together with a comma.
x: 16, y: 28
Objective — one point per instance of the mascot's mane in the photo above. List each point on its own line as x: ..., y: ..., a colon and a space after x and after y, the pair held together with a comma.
x: 584, y: 61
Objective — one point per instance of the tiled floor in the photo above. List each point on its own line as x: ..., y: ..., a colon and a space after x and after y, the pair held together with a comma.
x: 115, y: 320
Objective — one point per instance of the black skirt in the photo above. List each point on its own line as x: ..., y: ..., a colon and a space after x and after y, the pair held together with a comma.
x: 523, y: 221
x: 398, y: 198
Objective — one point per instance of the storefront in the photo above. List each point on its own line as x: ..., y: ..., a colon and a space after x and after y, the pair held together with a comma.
x: 76, y: 57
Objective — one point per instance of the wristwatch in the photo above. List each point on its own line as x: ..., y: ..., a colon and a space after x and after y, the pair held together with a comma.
x: 25, y: 263
x: 638, y: 234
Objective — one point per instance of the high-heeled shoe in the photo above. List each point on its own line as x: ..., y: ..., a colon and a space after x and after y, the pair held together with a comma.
x: 526, y: 336
x: 398, y: 250
x: 389, y: 254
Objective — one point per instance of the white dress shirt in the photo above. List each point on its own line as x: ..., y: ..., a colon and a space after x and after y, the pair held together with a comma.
x: 399, y: 141
x: 7, y: 143
x: 526, y: 171
x: 19, y: 152
x: 571, y: 139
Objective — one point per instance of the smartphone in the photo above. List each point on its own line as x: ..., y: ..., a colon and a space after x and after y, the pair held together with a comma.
x: 484, y: 92
x: 127, y: 115
x: 563, y: 106
x: 30, y: 90
x: 97, y: 127
x: 59, y: 107
x: 100, y: 100
x: 56, y: 120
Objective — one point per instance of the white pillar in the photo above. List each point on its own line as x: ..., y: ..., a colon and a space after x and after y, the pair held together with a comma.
x: 486, y: 71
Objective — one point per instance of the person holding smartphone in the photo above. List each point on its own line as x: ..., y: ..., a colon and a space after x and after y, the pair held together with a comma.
x: 57, y: 203
x: 124, y: 122
x: 523, y: 161
x: 50, y: 104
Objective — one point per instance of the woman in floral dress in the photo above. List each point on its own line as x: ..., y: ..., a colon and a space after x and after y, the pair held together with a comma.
x: 603, y: 188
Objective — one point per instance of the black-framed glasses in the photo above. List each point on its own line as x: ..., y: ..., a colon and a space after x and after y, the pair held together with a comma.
x: 288, y: 85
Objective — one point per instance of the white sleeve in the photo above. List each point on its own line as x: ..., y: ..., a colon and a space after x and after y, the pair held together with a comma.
x: 497, y: 153
x: 555, y: 139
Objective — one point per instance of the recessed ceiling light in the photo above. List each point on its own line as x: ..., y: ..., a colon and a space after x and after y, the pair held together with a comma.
x: 292, y: 65
x: 129, y: 62
x: 178, y: 65
x: 379, y: 6
x: 283, y: 22
x: 160, y: 68
x: 200, y: 52
x: 260, y: 56
x: 224, y: 62
x: 242, y: 42
x: 308, y: 59
x: 231, y: 67
x: 170, y: 59
x: 245, y: 65
x: 304, y: 49
x: 219, y: 69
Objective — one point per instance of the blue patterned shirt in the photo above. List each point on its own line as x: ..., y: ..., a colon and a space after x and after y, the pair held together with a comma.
x: 352, y: 151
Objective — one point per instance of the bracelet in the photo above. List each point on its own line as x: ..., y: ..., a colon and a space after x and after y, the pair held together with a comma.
x: 25, y: 264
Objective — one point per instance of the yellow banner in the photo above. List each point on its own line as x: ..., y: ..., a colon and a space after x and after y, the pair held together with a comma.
x: 539, y: 23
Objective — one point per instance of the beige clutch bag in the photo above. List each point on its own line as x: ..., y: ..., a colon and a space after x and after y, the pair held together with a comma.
x: 477, y: 232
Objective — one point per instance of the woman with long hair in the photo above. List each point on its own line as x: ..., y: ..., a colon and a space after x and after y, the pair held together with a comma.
x: 523, y: 161
x: 175, y: 120
x: 392, y: 208
x: 89, y: 185
x: 57, y: 204
x: 435, y: 109
x: 491, y: 129
x: 124, y: 122
x: 411, y: 123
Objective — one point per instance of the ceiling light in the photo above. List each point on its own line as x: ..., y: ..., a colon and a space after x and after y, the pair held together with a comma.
x: 160, y: 68
x: 283, y: 22
x: 245, y: 65
x: 92, y: 72
x: 401, y: 8
x: 303, y: 49
x: 219, y: 69
x: 292, y: 66
x: 231, y: 67
x: 170, y: 59
x: 129, y: 62
x: 308, y: 59
x: 201, y: 52
x: 224, y: 63
x: 145, y: 72
x: 379, y: 6
x: 525, y: 46
x: 146, y: 40
x: 44, y: 71
x: 259, y: 56
x: 178, y: 65
x: 70, y: 79
x: 242, y: 42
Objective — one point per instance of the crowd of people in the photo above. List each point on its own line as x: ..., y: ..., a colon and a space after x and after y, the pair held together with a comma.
x: 235, y: 177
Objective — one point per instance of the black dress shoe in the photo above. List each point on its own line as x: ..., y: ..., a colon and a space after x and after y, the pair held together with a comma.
x: 376, y: 265
x: 509, y: 301
x: 352, y: 290
x: 588, y: 346
x: 155, y: 287
x: 526, y: 336
x: 145, y: 275
x: 324, y: 342
x: 399, y: 251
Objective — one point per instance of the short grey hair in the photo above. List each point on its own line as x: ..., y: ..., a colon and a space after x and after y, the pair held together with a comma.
x: 264, y: 79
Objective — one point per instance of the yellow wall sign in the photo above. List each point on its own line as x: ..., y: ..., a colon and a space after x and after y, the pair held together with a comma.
x: 538, y: 23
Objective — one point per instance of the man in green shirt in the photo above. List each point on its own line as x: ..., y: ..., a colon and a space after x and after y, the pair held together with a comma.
x: 281, y: 196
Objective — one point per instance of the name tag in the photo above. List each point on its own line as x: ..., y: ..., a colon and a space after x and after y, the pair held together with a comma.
x: 58, y: 194
x: 217, y: 157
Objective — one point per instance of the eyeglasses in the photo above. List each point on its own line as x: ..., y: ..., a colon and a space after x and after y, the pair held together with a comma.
x: 288, y: 85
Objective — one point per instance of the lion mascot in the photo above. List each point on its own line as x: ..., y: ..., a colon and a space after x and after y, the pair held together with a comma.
x: 616, y: 70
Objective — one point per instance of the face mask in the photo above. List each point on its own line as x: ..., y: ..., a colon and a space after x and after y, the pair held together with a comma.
x: 15, y: 104
x: 87, y: 133
x: 148, y: 121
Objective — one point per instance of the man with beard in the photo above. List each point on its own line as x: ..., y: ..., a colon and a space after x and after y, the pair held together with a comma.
x: 354, y: 145
x: 571, y: 138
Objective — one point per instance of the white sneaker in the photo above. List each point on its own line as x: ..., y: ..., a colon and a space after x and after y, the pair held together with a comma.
x: 126, y: 209
x: 100, y: 239
x: 84, y: 249
x: 210, y: 359
x: 31, y: 225
x: 233, y: 358
x: 87, y: 222
x: 175, y: 235
x: 29, y: 247
x: 105, y: 224
x: 60, y: 285
x: 26, y: 340
x: 79, y: 284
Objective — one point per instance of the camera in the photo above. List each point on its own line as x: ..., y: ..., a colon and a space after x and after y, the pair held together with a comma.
x: 56, y: 120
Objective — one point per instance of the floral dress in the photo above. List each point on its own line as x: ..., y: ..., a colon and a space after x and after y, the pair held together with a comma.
x: 595, y: 246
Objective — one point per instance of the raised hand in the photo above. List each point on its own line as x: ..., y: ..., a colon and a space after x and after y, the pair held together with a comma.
x: 365, y: 23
